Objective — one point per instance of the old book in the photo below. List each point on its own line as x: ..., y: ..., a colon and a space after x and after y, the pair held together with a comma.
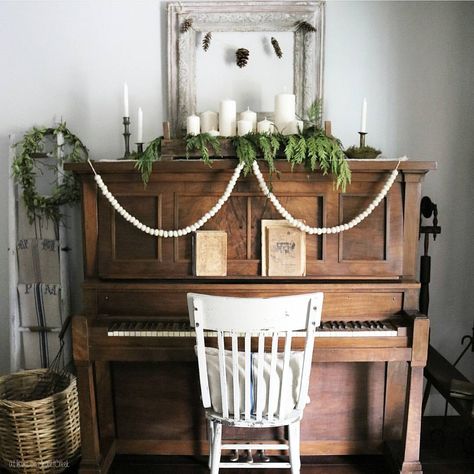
x: 270, y: 223
x: 286, y: 247
x: 210, y: 253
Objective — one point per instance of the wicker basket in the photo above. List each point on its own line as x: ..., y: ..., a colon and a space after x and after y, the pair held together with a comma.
x: 38, y: 436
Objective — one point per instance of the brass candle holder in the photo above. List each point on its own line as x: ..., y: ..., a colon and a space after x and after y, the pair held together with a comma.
x: 362, y: 151
x: 126, y: 136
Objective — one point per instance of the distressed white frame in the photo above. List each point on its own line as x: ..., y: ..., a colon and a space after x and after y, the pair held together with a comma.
x: 246, y: 17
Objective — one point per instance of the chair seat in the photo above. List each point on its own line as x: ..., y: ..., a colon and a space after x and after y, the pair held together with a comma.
x: 295, y: 415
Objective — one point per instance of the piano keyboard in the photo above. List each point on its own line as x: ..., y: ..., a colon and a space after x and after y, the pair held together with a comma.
x: 182, y: 329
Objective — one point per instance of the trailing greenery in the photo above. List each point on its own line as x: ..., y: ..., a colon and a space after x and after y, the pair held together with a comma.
x: 201, y: 143
x: 145, y: 160
x: 40, y: 143
x: 311, y: 148
x: 366, y: 152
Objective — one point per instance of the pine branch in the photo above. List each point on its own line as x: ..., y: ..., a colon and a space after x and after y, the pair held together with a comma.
x: 145, y: 161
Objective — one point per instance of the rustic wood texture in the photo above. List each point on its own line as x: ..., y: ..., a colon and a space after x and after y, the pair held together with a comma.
x: 364, y: 391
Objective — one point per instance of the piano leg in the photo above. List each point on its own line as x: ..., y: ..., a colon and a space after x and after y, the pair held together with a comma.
x: 411, y: 449
x: 97, y: 451
x: 91, y: 457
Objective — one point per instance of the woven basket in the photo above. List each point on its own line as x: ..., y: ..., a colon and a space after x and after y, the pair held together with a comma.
x: 38, y: 436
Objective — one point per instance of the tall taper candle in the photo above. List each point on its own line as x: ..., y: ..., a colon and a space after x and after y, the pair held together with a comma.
x: 227, y: 118
x: 363, y: 117
x: 140, y: 126
x: 125, y: 100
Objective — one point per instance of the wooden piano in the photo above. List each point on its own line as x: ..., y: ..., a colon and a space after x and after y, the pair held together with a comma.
x: 133, y: 351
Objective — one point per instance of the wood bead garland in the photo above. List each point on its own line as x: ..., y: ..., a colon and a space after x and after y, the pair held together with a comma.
x: 168, y: 233
x: 323, y: 230
x: 225, y: 196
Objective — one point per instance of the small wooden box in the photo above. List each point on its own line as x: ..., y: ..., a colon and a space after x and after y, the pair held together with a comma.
x: 210, y: 253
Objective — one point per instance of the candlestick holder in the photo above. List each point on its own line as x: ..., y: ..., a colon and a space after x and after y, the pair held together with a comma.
x: 362, y: 151
x: 126, y: 137
x: 139, y: 147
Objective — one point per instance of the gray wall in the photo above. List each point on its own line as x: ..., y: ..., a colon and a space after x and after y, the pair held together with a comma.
x: 412, y: 60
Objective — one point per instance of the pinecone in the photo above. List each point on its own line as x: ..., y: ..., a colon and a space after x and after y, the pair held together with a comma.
x: 206, y: 42
x: 186, y: 25
x: 305, y: 27
x: 276, y: 47
x: 242, y: 57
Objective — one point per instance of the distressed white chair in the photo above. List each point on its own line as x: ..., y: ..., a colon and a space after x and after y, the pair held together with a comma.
x: 231, y: 379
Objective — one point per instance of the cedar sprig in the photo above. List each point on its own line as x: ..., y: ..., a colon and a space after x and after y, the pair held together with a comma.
x: 305, y: 27
x: 145, y: 160
x: 276, y: 47
x: 242, y: 57
x: 186, y: 25
x: 206, y: 41
x: 202, y: 143
x: 246, y: 152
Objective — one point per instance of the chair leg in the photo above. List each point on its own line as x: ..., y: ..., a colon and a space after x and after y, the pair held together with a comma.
x: 294, y: 444
x: 210, y: 436
x: 216, y: 447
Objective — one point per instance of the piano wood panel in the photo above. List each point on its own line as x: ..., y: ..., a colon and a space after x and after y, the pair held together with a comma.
x: 372, y: 249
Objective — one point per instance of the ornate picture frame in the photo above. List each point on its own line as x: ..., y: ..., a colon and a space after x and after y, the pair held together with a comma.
x: 242, y: 17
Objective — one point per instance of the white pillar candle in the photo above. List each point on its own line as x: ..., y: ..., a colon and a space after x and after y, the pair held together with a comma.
x: 209, y: 121
x: 251, y: 116
x: 244, y: 127
x: 193, y: 125
x: 125, y: 101
x: 363, y: 117
x: 285, y: 109
x: 140, y: 126
x: 213, y: 133
x: 264, y: 126
x: 227, y: 118
x: 293, y: 127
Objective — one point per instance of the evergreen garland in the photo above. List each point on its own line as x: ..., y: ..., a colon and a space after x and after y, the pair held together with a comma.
x: 201, y: 143
x: 145, y: 161
x: 24, y: 170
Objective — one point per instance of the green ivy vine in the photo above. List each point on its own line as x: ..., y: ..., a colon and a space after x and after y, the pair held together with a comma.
x: 29, y: 152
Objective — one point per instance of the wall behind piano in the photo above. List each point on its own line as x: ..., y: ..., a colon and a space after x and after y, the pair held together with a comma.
x: 412, y: 60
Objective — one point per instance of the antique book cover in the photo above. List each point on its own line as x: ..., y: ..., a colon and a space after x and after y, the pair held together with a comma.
x: 210, y: 253
x: 286, y: 251
x: 270, y: 223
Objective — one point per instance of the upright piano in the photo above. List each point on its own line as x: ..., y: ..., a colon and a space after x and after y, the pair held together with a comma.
x: 133, y: 349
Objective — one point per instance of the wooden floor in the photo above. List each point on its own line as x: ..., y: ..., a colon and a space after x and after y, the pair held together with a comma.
x: 448, y: 450
x: 444, y: 450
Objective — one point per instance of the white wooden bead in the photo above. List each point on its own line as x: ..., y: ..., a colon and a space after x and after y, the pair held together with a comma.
x: 165, y: 234
x: 346, y: 226
x: 200, y: 222
x: 221, y: 201
x: 175, y: 233
x: 180, y: 232
x: 193, y: 228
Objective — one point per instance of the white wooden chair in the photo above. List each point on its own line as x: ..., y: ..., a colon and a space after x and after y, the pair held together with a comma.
x: 231, y: 379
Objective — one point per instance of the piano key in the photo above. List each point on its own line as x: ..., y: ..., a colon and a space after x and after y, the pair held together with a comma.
x: 181, y: 329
